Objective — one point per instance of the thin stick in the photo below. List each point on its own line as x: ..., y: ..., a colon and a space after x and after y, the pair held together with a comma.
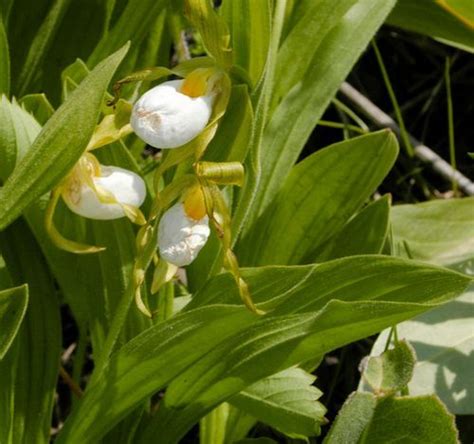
x: 383, y: 120
x: 70, y: 382
x: 452, y: 146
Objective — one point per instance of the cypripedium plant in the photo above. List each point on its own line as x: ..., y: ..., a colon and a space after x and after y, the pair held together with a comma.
x: 181, y: 117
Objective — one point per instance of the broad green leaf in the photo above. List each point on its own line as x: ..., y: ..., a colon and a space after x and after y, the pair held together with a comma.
x: 132, y: 24
x: 60, y: 144
x: 352, y: 419
x: 4, y: 61
x: 365, y: 233
x: 392, y: 370
x: 38, y: 105
x: 443, y: 339
x: 187, y: 345
x: 411, y: 420
x: 17, y: 130
x: 13, y: 304
x: 29, y: 370
x: 294, y: 118
x: 285, y: 289
x: 430, y: 18
x: 287, y: 401
x: 440, y: 231
x: 40, y: 45
x: 175, y: 344
x: 266, y: 347
x: 317, y: 199
x: 303, y: 41
x: 462, y: 9
x: 249, y: 22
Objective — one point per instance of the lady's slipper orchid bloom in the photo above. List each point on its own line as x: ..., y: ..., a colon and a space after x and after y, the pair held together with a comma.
x: 180, y: 237
x: 104, y: 192
x: 175, y: 112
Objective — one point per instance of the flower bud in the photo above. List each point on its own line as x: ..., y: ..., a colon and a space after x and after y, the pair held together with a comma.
x: 181, y: 238
x: 120, y: 187
x: 172, y: 114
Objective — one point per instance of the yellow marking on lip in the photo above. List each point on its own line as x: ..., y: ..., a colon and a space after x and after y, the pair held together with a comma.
x: 194, y: 203
x: 195, y: 84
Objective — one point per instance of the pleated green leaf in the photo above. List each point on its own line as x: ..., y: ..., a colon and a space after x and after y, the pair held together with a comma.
x: 59, y: 145
x: 295, y: 117
x: 13, y: 304
x: 29, y: 370
x: 249, y: 22
x: 247, y: 348
x: 440, y: 231
x: 318, y: 198
x: 365, y: 233
x: 430, y: 18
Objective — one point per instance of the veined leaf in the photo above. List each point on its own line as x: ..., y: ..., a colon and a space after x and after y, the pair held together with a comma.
x: 365, y: 233
x: 318, y: 198
x: 443, y: 340
x: 29, y: 370
x: 352, y: 419
x: 133, y: 24
x: 17, y: 131
x: 169, y: 347
x: 212, y: 368
x: 303, y: 41
x: 41, y: 42
x: 249, y: 22
x: 430, y: 18
x: 392, y: 370
x: 268, y: 346
x: 13, y: 304
x: 293, y: 120
x: 462, y: 9
x: 411, y: 419
x: 59, y: 145
x: 287, y: 401
x: 440, y: 231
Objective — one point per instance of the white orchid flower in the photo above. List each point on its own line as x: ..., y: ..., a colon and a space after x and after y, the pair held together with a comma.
x: 96, y: 192
x: 175, y: 112
x: 103, y: 192
x: 180, y: 237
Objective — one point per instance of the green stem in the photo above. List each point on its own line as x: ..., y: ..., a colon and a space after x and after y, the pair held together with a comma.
x: 353, y: 128
x: 346, y: 110
x: 452, y: 146
x: 403, y: 131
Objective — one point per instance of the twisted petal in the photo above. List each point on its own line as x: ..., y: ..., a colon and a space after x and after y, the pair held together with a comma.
x: 125, y: 187
x: 164, y: 117
x: 180, y: 238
